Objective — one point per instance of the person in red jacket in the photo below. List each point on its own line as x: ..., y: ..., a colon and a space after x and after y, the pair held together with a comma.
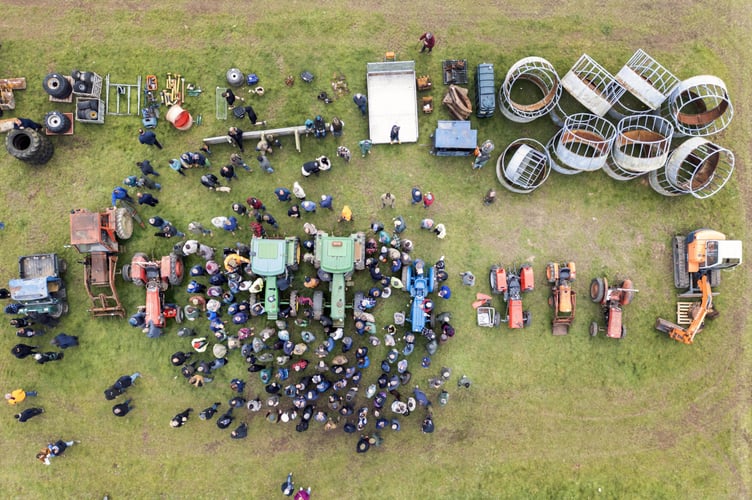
x: 428, y: 41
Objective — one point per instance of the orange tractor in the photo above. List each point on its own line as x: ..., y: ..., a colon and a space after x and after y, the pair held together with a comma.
x: 612, y: 300
x: 563, y: 299
x: 156, y: 277
x: 512, y: 284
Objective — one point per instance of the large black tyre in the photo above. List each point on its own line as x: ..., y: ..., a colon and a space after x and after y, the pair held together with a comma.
x: 593, y: 330
x: 176, y: 270
x: 623, y: 331
x: 123, y: 224
x: 598, y: 289
x: 57, y: 86
x: 62, y: 266
x: 56, y: 122
x: 29, y: 146
x: 318, y: 304
x: 527, y: 318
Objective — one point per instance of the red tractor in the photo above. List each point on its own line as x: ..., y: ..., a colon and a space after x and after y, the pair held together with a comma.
x: 156, y: 277
x: 563, y: 299
x: 512, y: 284
x: 611, y: 300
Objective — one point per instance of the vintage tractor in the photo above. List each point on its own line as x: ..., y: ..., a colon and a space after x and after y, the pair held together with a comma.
x: 95, y: 235
x: 156, y: 277
x: 419, y: 283
x: 336, y: 257
x: 275, y: 258
x: 512, y: 284
x: 612, y: 300
x: 39, y: 287
x: 563, y: 299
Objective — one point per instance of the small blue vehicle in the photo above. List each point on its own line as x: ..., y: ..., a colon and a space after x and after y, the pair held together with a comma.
x: 40, y: 288
x: 419, y: 283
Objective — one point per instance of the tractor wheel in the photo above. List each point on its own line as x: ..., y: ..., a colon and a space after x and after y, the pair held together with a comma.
x: 126, y: 272
x: 61, y: 294
x: 56, y: 122
x: 572, y: 271
x: 551, y: 272
x: 28, y: 145
x: 179, y: 314
x: 318, y: 304
x: 357, y: 300
x: 293, y: 303
x: 62, y: 266
x: 137, y: 273
x: 550, y: 302
x: 598, y: 289
x: 57, y: 86
x: 623, y: 331
x: 176, y: 270
x: 627, y: 295
x: 123, y: 224
x: 593, y: 329
x: 235, y: 77
x: 527, y: 318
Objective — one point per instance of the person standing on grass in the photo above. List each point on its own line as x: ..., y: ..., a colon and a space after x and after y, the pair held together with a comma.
x: 265, y: 164
x: 387, y: 199
x: 228, y: 172
x: 235, y: 136
x: 120, y: 193
x: 230, y: 97
x: 429, y: 41
x: 18, y: 396
x: 346, y: 215
x: 237, y: 161
x: 208, y: 413
x: 44, y: 357
x: 282, y: 193
x: 394, y: 134
x: 146, y: 168
x: 198, y: 229
x: 344, y: 153
x: 428, y: 199
x: 490, y: 197
x: 177, y: 166
x: 147, y: 199
x: 148, y: 138
x: 28, y: 413
x: 21, y: 351
x: 361, y: 102
x: 122, y: 409
x: 326, y: 201
x: 365, y: 147
x: 181, y: 418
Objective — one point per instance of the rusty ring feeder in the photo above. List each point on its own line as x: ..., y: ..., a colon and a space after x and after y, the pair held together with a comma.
x: 542, y: 75
x: 699, y: 106
x: 641, y: 145
x: 523, y: 166
x: 582, y: 145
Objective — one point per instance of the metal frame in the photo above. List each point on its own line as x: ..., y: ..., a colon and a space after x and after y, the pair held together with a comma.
x: 523, y: 166
x: 592, y: 85
x: 641, y: 145
x: 647, y: 79
x: 583, y: 144
x: 540, y: 73
x: 697, y: 167
x: 128, y: 89
x: 699, y: 106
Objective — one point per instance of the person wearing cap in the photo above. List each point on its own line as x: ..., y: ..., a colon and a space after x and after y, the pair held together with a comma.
x: 326, y: 201
x: 427, y: 426
x: 399, y: 224
x: 429, y: 41
x: 428, y: 199
x: 394, y: 134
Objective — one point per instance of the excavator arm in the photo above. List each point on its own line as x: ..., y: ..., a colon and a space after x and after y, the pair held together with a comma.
x: 687, y: 335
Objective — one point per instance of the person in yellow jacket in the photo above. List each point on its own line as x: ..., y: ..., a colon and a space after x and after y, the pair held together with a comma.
x: 17, y: 396
x: 346, y: 215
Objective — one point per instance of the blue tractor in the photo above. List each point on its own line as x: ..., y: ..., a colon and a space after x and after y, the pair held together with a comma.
x: 419, y: 283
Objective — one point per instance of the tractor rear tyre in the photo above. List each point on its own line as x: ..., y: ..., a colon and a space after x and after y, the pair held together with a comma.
x: 179, y: 314
x: 126, y: 272
x: 598, y: 289
x: 572, y: 271
x: 123, y: 224
x: 57, y: 86
x: 176, y: 270
x: 293, y: 303
x: 318, y: 304
x: 627, y: 295
x: 137, y: 275
x: 551, y: 272
x: 62, y: 266
x: 56, y: 122
x: 593, y: 329
x: 29, y: 146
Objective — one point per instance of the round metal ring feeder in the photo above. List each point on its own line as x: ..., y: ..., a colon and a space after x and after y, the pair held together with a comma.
x: 699, y: 106
x: 697, y: 167
x: 592, y: 85
x: 542, y: 76
x: 647, y: 80
x: 583, y: 144
x: 641, y: 145
x: 523, y: 166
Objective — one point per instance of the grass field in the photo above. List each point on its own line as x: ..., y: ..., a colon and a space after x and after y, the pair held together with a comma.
x: 565, y: 417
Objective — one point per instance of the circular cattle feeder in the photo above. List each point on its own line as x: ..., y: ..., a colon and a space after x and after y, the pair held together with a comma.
x: 531, y: 76
x: 523, y: 166
x: 641, y: 146
x: 593, y: 86
x: 180, y: 118
x: 699, y: 106
x: 697, y: 167
x: 646, y: 79
x: 583, y: 144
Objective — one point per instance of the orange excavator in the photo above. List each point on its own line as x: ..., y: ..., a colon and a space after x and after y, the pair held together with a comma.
x: 698, y: 313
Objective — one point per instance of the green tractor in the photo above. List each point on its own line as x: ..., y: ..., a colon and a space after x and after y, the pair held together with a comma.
x: 336, y: 257
x: 273, y: 258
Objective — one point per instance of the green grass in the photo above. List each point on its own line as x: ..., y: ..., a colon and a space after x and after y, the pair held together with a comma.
x: 546, y: 417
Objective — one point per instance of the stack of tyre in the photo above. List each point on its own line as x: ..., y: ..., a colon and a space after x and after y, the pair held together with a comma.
x: 57, y: 86
x: 29, y: 146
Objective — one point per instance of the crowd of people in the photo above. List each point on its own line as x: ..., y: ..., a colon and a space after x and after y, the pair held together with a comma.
x: 302, y: 371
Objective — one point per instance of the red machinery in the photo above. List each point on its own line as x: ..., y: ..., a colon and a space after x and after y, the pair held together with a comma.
x: 512, y: 284
x: 611, y: 300
x: 563, y: 299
